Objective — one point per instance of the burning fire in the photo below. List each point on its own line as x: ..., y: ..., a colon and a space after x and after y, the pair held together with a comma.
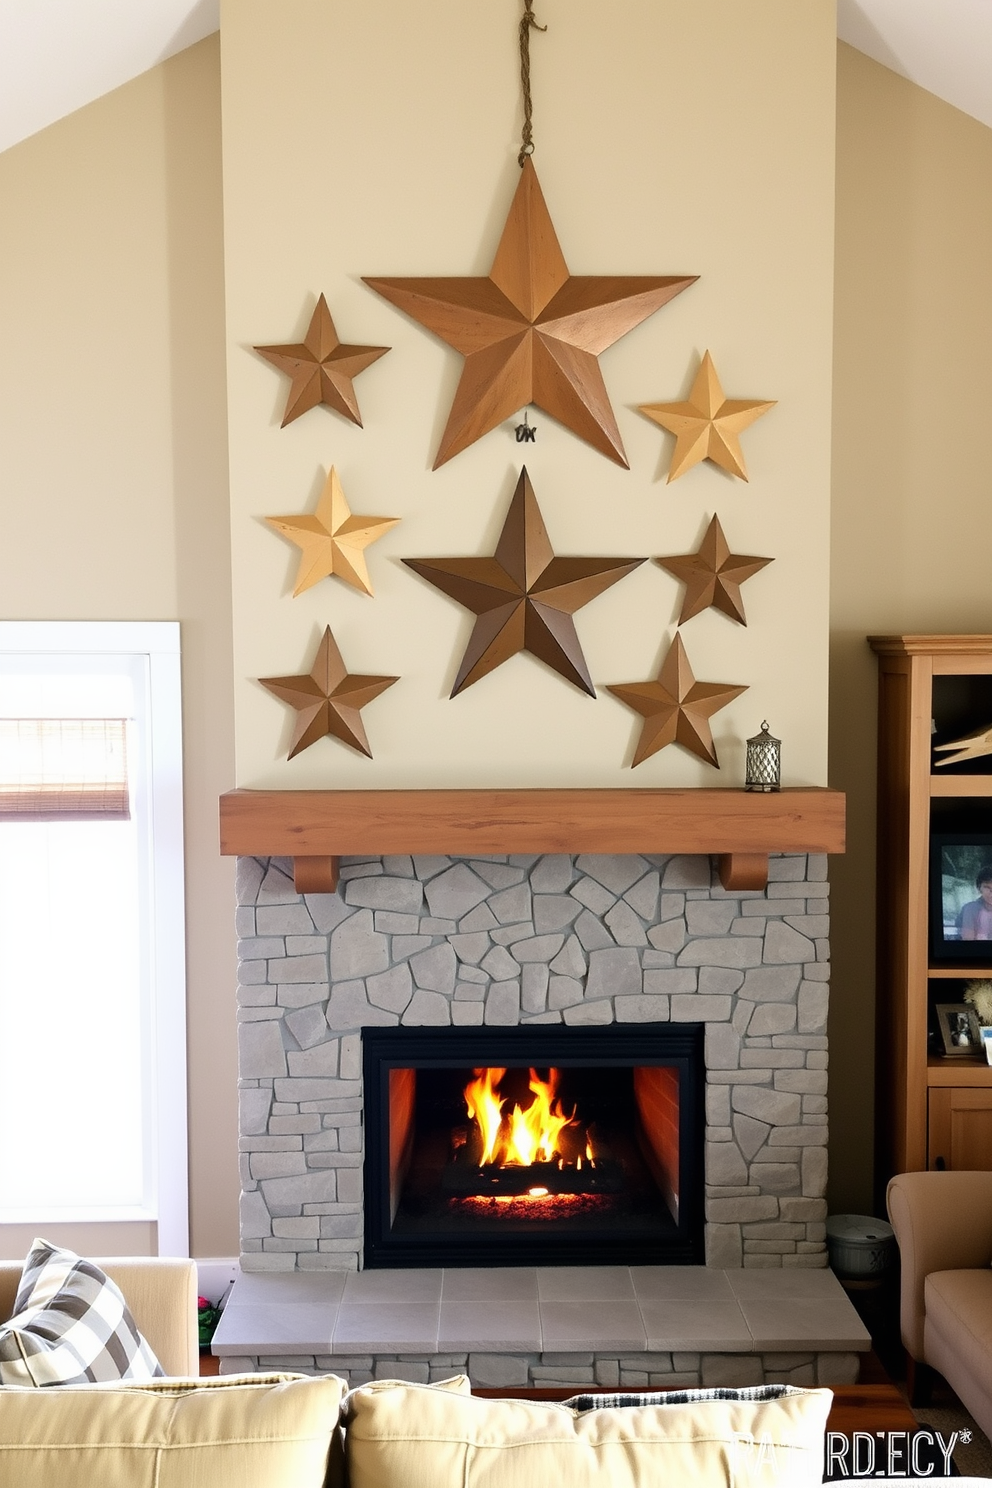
x: 521, y: 1137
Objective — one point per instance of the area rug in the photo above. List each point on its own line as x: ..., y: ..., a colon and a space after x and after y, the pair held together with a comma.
x: 973, y: 1450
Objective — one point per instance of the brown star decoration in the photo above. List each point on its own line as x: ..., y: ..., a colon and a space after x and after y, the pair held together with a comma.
x: 531, y: 332
x: 322, y: 368
x: 524, y: 597
x: 713, y: 575
x: 706, y: 426
x: 328, y: 700
x: 676, y: 708
x: 332, y: 540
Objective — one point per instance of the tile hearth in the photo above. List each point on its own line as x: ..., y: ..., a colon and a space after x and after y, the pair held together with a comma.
x: 531, y: 1326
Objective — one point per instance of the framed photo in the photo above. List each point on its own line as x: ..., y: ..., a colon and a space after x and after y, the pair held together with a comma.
x: 961, y: 898
x: 960, y: 1030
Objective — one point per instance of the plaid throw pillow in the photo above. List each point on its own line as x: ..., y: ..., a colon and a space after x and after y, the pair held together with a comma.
x: 607, y: 1401
x: 71, y: 1326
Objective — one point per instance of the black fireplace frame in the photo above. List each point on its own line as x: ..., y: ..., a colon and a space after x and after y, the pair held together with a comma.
x: 673, y: 1045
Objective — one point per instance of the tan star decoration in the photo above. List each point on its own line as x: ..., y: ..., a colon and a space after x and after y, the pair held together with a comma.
x: 530, y: 331
x: 321, y: 368
x: 524, y: 596
x: 706, y: 426
x: 332, y: 540
x: 676, y: 708
x: 713, y: 575
x: 328, y: 699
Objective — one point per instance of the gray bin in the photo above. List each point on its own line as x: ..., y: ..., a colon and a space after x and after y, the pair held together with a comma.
x: 860, y: 1247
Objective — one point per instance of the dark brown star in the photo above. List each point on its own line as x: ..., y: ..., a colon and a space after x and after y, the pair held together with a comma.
x: 531, y: 332
x: 524, y: 596
x: 322, y: 368
x: 328, y: 699
x: 713, y: 575
x: 676, y: 708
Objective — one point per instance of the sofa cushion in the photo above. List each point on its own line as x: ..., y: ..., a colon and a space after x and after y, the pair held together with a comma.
x: 424, y: 1437
x: 71, y: 1326
x: 237, y: 1431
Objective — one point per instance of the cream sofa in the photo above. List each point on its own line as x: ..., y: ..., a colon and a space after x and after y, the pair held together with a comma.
x: 253, y: 1431
x: 161, y: 1294
x: 943, y: 1226
x: 283, y: 1431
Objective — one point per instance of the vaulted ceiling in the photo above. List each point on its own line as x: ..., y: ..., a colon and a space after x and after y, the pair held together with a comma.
x: 56, y: 55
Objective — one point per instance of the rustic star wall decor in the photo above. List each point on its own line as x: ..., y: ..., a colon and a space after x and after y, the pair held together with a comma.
x: 707, y: 425
x: 524, y: 596
x: 332, y: 541
x: 713, y: 575
x: 676, y: 708
x: 531, y: 332
x: 328, y: 699
x: 322, y: 368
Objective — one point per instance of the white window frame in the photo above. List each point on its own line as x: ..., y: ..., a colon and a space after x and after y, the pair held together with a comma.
x: 156, y: 643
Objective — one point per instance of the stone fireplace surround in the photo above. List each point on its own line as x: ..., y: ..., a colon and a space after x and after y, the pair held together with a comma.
x: 586, y: 938
x: 503, y: 940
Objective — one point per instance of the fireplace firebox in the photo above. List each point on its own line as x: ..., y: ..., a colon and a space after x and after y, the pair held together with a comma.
x: 534, y: 1145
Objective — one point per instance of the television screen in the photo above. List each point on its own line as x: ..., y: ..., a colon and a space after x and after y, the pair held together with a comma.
x: 961, y: 897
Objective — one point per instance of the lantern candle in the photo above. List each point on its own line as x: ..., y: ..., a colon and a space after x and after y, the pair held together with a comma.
x: 763, y: 770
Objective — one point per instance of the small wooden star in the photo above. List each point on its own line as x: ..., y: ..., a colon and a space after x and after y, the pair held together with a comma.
x: 676, y: 708
x: 713, y: 575
x: 322, y: 368
x: 328, y: 699
x: 524, y: 596
x: 706, y: 426
x: 530, y: 331
x: 332, y: 540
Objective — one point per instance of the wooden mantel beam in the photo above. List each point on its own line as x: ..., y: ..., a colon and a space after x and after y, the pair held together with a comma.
x: 740, y: 828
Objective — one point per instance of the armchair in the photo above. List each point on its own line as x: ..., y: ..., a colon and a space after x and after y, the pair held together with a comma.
x: 943, y: 1227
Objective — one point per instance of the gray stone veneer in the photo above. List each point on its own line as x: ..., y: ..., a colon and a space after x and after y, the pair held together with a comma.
x: 614, y: 1370
x: 528, y: 939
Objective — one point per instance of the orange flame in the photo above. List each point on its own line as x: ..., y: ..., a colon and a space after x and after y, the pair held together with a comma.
x: 485, y: 1107
x: 524, y: 1136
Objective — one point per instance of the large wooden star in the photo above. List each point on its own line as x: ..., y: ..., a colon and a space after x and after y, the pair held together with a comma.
x: 713, y: 575
x: 332, y: 540
x: 707, y: 425
x: 676, y: 708
x: 321, y: 368
x: 524, y: 597
x: 531, y: 332
x: 328, y: 699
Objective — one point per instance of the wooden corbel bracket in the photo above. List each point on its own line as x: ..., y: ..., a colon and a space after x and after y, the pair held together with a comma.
x: 743, y: 870
x: 315, y: 875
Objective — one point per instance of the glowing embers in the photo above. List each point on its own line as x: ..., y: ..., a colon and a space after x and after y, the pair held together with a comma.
x: 531, y: 1207
x: 531, y: 1151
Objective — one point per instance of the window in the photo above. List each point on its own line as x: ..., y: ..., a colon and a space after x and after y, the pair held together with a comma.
x: 92, y: 993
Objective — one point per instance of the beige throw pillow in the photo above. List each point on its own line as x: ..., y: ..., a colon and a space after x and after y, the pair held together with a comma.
x: 419, y: 1436
x: 238, y: 1431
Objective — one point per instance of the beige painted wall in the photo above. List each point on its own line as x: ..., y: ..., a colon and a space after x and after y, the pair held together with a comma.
x: 671, y: 137
x: 912, y: 389
x: 114, y: 405
x: 113, y: 483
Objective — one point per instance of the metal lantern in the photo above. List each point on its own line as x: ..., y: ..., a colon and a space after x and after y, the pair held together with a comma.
x: 763, y: 771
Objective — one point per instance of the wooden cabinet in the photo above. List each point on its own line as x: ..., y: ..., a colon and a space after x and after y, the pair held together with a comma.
x: 930, y: 1110
x: 960, y: 1126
